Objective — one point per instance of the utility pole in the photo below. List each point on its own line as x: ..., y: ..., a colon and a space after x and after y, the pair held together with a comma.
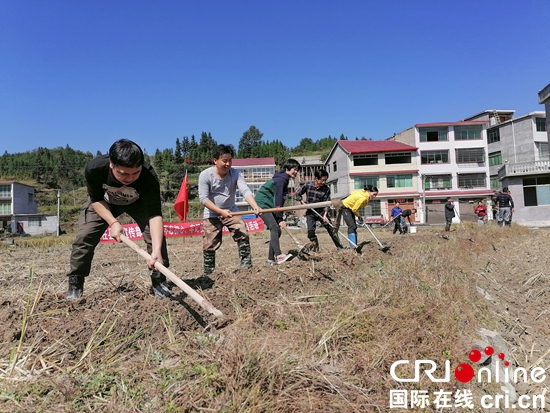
x: 58, y: 203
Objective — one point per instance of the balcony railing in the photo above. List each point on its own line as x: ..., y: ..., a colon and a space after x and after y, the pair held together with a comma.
x: 524, y: 168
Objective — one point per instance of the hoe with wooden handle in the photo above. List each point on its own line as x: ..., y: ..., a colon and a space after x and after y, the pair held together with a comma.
x: 336, y: 203
x: 175, y: 279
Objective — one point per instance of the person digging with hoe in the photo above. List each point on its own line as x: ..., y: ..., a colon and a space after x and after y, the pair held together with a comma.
x: 318, y: 191
x: 120, y: 182
x: 217, y: 188
x: 350, y: 209
x: 272, y: 194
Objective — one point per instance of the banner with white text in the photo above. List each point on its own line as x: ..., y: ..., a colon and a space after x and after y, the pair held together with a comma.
x: 179, y: 229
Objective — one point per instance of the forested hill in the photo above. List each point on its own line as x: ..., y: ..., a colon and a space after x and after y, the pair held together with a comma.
x: 62, y: 168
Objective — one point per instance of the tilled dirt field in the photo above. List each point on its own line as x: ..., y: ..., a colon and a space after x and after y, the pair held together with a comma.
x: 510, y: 270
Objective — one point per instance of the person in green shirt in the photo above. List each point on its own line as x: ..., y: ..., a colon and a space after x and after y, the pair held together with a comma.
x: 272, y: 194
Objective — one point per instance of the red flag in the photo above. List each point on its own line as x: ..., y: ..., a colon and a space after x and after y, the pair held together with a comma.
x: 181, y: 206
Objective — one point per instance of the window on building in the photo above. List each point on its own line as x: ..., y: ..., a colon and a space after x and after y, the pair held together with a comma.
x: 5, y: 191
x: 472, y: 180
x: 333, y: 187
x: 35, y: 222
x: 371, y: 210
x: 495, y: 158
x: 467, y: 132
x: 334, y: 167
x: 470, y: 155
x: 493, y: 135
x: 536, y: 191
x: 399, y: 181
x: 361, y: 182
x: 432, y: 134
x: 432, y: 182
x: 542, y: 150
x: 30, y: 197
x: 363, y: 160
x: 427, y: 157
x: 5, y: 207
x: 257, y: 174
x: 397, y: 157
x: 541, y: 124
x: 495, y: 183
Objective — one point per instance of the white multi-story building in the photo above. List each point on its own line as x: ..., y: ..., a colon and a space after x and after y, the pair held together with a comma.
x: 453, y: 162
x: 518, y: 159
x: 256, y: 172
x: 389, y: 165
x: 19, y: 211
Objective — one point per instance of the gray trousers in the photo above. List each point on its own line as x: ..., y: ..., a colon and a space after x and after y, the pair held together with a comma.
x: 90, y: 229
x: 504, y: 215
x: 275, y: 233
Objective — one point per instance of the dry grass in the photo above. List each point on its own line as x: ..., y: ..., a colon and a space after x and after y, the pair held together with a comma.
x: 316, y: 336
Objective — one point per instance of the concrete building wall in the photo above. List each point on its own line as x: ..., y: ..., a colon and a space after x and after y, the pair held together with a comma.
x: 23, y: 200
x: 525, y: 215
x: 407, y: 136
x: 48, y: 224
x: 344, y: 185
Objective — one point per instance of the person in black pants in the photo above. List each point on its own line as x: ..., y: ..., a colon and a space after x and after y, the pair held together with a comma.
x: 318, y: 191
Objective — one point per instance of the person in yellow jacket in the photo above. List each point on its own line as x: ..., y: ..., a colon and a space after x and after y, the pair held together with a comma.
x: 350, y: 209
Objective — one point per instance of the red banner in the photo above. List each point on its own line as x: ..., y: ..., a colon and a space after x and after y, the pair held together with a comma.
x: 179, y: 229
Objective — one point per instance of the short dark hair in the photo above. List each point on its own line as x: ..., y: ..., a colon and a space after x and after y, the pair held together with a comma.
x: 319, y: 173
x: 291, y: 163
x: 126, y: 153
x: 449, y: 198
x: 505, y: 189
x: 222, y: 150
x: 370, y: 188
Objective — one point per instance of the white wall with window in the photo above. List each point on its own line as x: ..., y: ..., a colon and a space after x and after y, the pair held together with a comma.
x: 5, y: 191
x: 536, y: 190
x: 439, y: 182
x: 474, y: 180
x: 399, y: 181
x: 434, y: 134
x: 468, y: 132
x: 430, y: 157
x: 5, y: 207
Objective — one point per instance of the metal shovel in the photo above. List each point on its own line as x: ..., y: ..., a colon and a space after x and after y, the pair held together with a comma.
x: 358, y: 248
x: 382, y: 248
x: 304, y: 249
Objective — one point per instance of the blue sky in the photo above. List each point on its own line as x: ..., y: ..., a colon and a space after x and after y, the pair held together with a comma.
x: 86, y: 73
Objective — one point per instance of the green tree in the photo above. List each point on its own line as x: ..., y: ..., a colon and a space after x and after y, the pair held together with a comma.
x: 178, y: 154
x: 250, y: 143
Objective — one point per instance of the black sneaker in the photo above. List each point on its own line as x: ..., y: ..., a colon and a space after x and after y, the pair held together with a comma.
x: 159, y: 286
x: 76, y: 287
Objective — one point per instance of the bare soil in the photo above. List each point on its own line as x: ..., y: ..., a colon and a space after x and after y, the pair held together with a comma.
x: 508, y: 267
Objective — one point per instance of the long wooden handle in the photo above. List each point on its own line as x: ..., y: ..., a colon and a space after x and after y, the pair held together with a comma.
x: 292, y: 208
x: 204, y: 303
x: 298, y: 243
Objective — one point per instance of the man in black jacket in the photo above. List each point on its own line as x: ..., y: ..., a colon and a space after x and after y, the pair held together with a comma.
x: 449, y: 213
x: 505, y: 207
